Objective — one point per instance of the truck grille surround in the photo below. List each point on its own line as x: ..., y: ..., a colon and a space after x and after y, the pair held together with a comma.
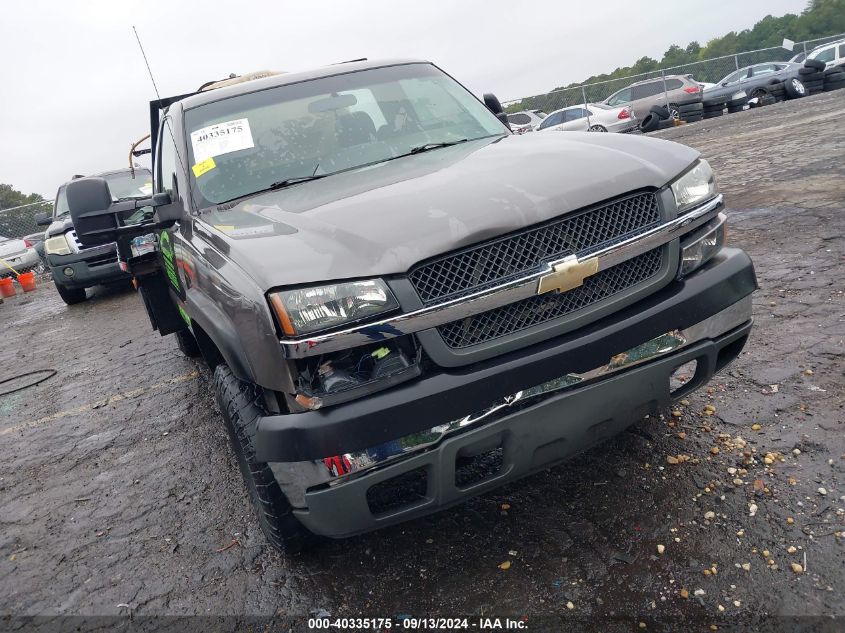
x: 552, y: 305
x: 506, y: 258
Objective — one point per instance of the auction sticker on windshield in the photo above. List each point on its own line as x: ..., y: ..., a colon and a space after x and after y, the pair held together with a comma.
x: 221, y: 138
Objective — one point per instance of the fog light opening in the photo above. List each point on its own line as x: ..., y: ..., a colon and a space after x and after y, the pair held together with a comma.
x: 67, y: 271
x: 681, y: 376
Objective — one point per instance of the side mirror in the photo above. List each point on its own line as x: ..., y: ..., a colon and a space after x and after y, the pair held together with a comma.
x: 724, y: 83
x: 495, y: 106
x: 97, y: 220
x: 89, y: 201
x: 43, y: 219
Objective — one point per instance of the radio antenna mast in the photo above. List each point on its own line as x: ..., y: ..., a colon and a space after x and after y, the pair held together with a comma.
x: 141, y: 46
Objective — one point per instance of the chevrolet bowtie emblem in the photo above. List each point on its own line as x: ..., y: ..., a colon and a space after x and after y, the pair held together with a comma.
x: 567, y: 274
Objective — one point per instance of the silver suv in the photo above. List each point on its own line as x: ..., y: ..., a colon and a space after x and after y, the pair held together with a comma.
x: 643, y: 95
x: 832, y: 54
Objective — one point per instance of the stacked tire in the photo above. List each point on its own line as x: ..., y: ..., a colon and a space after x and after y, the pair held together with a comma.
x: 713, y: 109
x: 834, y: 79
x: 658, y: 118
x: 812, y: 76
x: 737, y: 105
x: 691, y: 112
x: 777, y: 90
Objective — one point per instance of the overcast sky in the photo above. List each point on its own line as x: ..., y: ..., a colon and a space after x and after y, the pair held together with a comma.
x: 76, y: 91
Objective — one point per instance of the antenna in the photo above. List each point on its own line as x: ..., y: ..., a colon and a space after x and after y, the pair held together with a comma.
x: 158, y: 96
x: 149, y: 70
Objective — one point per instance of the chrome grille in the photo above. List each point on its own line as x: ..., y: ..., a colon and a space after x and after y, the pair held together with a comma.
x: 552, y: 305
x: 511, y: 256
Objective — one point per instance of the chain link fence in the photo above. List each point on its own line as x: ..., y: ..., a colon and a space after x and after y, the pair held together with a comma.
x: 706, y: 71
x: 16, y: 225
x: 19, y: 222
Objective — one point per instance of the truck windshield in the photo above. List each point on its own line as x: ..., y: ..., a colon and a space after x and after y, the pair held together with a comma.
x: 281, y: 136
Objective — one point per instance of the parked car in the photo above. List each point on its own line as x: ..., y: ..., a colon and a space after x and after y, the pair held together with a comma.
x: 19, y: 253
x: 593, y: 117
x: 754, y: 80
x: 832, y: 54
x: 525, y: 120
x: 75, y: 267
x: 644, y: 95
x: 402, y: 304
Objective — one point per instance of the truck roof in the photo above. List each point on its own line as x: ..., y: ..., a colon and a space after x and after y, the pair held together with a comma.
x: 256, y: 85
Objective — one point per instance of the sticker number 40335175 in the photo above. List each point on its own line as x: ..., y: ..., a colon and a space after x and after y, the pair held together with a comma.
x: 221, y: 138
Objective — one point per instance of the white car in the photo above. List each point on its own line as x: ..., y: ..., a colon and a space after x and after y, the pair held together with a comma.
x: 832, y: 54
x: 525, y: 120
x: 19, y: 254
x: 594, y: 117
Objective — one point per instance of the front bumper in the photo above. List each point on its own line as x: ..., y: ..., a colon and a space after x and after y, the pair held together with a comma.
x: 90, y: 267
x: 510, y: 445
x: 524, y: 410
x: 448, y: 394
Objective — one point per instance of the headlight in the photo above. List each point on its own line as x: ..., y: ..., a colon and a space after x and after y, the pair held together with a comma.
x: 57, y: 245
x: 694, y: 187
x: 306, y: 310
x: 698, y: 248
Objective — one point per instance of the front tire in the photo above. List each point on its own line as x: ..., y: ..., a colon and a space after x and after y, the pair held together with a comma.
x: 71, y: 295
x: 239, y: 403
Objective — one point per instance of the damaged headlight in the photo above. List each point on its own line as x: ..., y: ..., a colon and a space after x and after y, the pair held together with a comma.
x: 57, y: 245
x: 306, y: 310
x: 699, y: 247
x: 694, y: 187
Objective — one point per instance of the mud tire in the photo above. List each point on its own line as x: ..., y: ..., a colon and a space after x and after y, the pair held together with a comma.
x: 239, y: 404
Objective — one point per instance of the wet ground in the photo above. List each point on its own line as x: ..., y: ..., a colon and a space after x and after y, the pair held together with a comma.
x: 119, y: 494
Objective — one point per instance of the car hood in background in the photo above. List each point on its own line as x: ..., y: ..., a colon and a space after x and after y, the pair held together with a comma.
x: 59, y: 226
x: 383, y: 219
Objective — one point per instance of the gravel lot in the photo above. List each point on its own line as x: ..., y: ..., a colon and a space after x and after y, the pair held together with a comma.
x: 119, y: 494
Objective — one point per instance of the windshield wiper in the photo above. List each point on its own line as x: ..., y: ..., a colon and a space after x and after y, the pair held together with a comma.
x: 287, y: 182
x: 429, y: 146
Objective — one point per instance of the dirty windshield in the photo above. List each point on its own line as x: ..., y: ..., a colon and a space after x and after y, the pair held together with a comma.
x: 284, y: 135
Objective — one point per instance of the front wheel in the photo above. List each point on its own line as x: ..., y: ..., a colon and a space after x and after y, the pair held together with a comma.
x: 71, y: 295
x: 598, y: 128
x: 239, y: 403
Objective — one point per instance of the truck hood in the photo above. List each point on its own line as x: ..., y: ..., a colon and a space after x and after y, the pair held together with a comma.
x: 59, y: 226
x: 382, y: 219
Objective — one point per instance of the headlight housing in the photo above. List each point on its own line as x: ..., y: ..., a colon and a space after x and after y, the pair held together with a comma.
x: 307, y: 310
x: 57, y: 245
x: 698, y: 248
x: 696, y: 186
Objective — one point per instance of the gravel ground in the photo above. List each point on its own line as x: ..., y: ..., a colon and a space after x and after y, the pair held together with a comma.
x: 119, y: 494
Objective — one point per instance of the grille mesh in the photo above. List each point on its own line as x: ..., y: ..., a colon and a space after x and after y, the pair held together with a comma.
x: 546, y: 307
x: 497, y: 261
